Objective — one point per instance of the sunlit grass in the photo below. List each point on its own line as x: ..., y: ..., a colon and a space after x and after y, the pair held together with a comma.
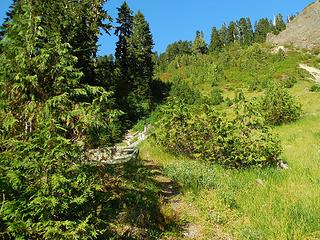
x: 256, y: 203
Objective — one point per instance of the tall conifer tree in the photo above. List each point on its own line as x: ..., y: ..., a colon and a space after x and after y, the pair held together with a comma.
x: 122, y: 58
x: 216, y: 42
x: 279, y: 25
x: 232, y: 33
x: 245, y: 31
x: 142, y: 66
x: 199, y: 45
x: 223, y: 34
x: 47, y: 118
x: 261, y: 29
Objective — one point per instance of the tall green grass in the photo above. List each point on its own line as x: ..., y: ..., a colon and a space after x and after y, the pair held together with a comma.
x: 256, y: 203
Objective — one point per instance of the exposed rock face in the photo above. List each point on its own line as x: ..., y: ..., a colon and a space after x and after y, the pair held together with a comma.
x: 303, y: 31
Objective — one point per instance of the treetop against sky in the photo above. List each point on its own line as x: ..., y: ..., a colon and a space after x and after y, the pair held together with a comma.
x: 172, y: 20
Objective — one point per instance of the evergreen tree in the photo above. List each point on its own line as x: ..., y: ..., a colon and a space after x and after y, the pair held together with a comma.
x: 142, y: 66
x: 6, y: 21
x: 173, y: 50
x: 262, y: 28
x: 79, y: 24
x: 105, y: 73
x: 47, y: 118
x: 199, y: 45
x: 216, y: 42
x: 249, y: 32
x: 232, y: 33
x: 177, y: 49
x: 279, y: 25
x: 223, y: 34
x: 245, y: 31
x: 93, y: 18
x: 122, y: 61
x: 291, y: 18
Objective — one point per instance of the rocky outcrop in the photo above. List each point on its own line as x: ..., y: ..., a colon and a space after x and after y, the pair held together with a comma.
x: 303, y: 31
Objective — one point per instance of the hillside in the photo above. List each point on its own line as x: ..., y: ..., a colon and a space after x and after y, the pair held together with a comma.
x: 303, y: 31
x: 204, y: 141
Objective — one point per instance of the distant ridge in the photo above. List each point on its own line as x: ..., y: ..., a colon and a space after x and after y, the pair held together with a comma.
x: 303, y: 31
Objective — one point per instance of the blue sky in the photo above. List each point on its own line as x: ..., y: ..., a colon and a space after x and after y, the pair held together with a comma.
x: 172, y: 20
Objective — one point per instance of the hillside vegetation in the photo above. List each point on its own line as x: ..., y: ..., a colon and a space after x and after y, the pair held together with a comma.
x: 232, y: 126
x: 255, y: 202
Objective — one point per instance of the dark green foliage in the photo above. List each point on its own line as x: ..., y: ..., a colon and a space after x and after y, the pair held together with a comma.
x: 215, y: 97
x: 279, y: 107
x: 288, y: 81
x: 122, y: 58
x: 142, y: 66
x: 198, y: 131
x: 216, y: 42
x: 173, y: 50
x: 159, y: 91
x: 182, y: 92
x: 245, y: 31
x: 47, y: 119
x: 315, y: 88
x: 232, y: 33
x: 223, y: 34
x: 177, y: 49
x: 6, y: 21
x: 78, y: 23
x: 280, y: 25
x: 134, y: 64
x: 199, y: 45
x: 261, y: 29
x: 105, y: 73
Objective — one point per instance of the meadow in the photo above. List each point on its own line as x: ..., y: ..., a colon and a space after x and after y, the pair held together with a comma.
x: 253, y: 203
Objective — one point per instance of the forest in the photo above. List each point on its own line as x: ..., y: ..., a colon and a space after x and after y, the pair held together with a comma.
x: 232, y: 148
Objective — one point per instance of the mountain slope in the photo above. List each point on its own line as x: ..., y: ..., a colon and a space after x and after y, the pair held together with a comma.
x: 303, y: 31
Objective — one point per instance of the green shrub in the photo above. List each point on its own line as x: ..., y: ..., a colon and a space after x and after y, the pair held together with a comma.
x: 182, y: 91
x: 315, y: 88
x: 289, y: 81
x: 279, y: 107
x: 198, y: 131
x: 216, y: 97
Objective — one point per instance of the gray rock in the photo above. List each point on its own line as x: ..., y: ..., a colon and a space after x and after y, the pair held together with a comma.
x: 282, y: 165
x: 303, y: 31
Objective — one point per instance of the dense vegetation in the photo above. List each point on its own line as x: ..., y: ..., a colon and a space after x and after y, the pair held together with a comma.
x: 237, y: 32
x: 57, y: 100
x: 199, y: 131
x: 215, y: 109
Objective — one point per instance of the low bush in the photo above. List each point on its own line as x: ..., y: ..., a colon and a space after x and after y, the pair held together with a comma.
x: 258, y: 84
x: 279, y: 107
x: 289, y: 81
x: 315, y: 88
x: 198, y: 131
x: 182, y: 91
x: 216, y: 97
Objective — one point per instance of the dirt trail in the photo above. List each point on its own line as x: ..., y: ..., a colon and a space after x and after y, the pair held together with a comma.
x: 169, y: 190
x: 315, y: 72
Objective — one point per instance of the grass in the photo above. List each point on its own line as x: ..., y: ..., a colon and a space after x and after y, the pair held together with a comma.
x: 244, y: 66
x: 255, y: 203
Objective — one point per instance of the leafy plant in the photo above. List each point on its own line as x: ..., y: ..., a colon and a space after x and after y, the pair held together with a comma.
x: 279, y: 107
x: 47, y: 119
x: 315, y: 88
x: 238, y: 140
x: 216, y: 97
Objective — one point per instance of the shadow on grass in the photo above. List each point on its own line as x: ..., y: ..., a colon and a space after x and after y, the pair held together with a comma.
x: 130, y: 204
